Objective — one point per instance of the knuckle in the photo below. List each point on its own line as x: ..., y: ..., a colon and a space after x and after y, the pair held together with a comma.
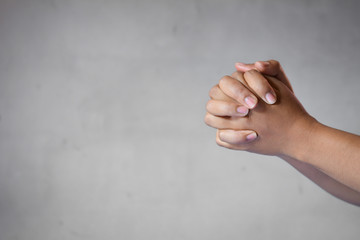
x: 224, y: 80
x: 213, y: 91
x: 209, y: 105
x: 275, y: 63
x: 258, y: 63
x: 219, y: 142
x: 235, y: 75
x: 208, y: 119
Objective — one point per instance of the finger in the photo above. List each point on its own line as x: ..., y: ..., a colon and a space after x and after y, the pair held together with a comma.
x: 244, y: 67
x: 224, y: 122
x: 229, y: 145
x: 275, y: 69
x: 237, y: 137
x: 270, y: 67
x: 266, y: 67
x: 260, y: 85
x: 224, y: 108
x: 236, y: 90
x: 217, y: 94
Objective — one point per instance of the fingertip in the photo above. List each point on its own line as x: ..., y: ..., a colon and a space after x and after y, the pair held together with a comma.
x: 239, y: 66
x: 242, y: 67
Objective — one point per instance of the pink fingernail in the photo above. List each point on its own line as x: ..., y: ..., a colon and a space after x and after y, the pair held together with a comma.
x: 242, y: 110
x: 251, y: 137
x: 266, y: 63
x: 270, y: 98
x: 250, y: 101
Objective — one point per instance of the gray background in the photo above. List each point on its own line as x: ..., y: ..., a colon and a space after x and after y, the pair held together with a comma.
x: 101, y: 118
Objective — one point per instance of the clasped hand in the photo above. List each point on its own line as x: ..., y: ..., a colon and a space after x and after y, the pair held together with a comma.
x: 256, y: 110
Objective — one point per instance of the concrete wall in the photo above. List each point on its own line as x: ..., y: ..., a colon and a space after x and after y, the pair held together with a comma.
x: 101, y: 118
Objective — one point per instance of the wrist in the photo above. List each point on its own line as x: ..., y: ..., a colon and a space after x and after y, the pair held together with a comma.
x: 300, y: 138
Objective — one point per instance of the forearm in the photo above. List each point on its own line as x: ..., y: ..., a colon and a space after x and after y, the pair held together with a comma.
x: 334, y: 152
x: 327, y: 183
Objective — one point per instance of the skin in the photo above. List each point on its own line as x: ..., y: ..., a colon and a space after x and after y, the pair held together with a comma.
x: 327, y: 156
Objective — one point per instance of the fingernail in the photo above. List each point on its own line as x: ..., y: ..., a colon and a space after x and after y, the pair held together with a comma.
x: 251, y: 137
x: 240, y: 64
x: 242, y: 110
x: 251, y: 102
x: 270, y: 98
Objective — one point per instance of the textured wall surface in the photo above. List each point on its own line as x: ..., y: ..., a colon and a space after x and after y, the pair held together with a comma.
x: 101, y: 118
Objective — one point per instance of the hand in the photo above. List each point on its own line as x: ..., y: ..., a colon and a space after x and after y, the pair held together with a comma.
x: 237, y: 105
x: 286, y: 130
x: 278, y: 126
